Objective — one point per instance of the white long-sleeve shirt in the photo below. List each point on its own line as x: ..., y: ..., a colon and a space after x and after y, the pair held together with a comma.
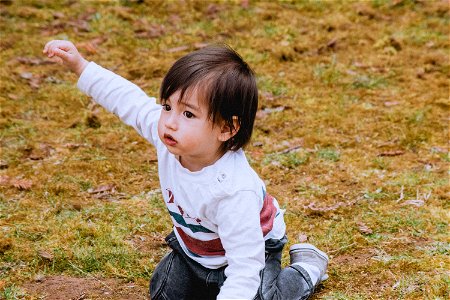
x: 222, y: 213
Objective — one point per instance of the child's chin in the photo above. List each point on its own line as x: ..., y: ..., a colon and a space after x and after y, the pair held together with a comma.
x: 173, y: 149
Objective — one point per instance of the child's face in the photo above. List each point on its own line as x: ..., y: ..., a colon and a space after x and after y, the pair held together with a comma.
x: 187, y: 131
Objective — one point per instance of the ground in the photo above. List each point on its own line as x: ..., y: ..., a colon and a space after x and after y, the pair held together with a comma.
x: 351, y: 137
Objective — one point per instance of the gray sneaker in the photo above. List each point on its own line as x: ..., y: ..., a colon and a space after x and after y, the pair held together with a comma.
x: 309, y: 254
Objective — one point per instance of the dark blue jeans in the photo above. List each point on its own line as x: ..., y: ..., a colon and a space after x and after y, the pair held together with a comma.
x: 178, y: 277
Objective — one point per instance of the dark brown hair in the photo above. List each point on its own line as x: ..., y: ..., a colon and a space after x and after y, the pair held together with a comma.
x: 227, y: 84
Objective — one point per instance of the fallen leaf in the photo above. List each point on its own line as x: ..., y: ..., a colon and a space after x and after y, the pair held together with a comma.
x: 75, y: 146
x: 392, y: 153
x: 33, y: 81
x: 364, y: 229
x: 26, y: 75
x: 80, y: 25
x: 329, y: 45
x: 102, y: 188
x: 151, y: 31
x: 46, y: 255
x: 92, y: 45
x: 21, y: 184
x: 312, y: 206
x: 42, y: 152
x: 302, y: 238
x: 33, y: 61
x: 13, y: 97
x: 59, y: 15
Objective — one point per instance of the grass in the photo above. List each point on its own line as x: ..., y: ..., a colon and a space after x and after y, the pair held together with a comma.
x: 343, y: 86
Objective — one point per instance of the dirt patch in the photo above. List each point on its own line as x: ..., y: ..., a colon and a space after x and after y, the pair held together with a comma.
x: 357, y: 259
x: 63, y: 288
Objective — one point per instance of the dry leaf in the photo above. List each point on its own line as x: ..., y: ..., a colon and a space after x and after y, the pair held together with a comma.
x: 59, y: 15
x: 312, y: 206
x: 92, y: 45
x: 102, y: 188
x: 26, y: 75
x: 392, y: 153
x: 41, y: 153
x: 302, y: 238
x: 21, y: 184
x: 46, y: 255
x: 33, y: 61
x: 364, y: 229
x: 75, y: 146
x: 151, y: 31
x: 12, y: 96
x: 80, y: 25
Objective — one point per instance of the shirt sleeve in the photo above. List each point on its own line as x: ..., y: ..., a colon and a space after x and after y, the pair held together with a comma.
x: 123, y: 98
x: 242, y: 239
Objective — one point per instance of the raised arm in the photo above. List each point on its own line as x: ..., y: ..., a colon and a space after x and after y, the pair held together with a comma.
x: 116, y: 94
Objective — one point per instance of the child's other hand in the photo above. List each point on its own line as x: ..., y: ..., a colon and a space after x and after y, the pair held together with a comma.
x: 65, y: 53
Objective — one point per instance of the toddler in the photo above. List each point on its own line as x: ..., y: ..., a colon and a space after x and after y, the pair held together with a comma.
x: 228, y: 232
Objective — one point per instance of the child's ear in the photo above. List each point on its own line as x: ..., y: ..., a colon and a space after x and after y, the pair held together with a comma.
x: 226, y: 132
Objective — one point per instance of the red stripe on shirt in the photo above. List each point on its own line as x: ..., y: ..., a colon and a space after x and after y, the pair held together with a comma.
x: 204, y: 248
x: 267, y: 215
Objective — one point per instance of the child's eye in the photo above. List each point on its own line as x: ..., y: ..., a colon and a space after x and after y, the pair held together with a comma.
x: 166, y: 107
x: 188, y: 114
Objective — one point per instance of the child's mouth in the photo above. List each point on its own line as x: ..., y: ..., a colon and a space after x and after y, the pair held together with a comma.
x: 169, y: 140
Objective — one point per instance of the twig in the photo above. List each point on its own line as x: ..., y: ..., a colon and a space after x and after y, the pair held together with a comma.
x: 401, y: 195
x: 89, y: 275
x: 290, y: 149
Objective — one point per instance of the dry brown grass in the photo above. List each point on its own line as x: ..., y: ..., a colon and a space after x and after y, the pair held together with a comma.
x: 353, y: 128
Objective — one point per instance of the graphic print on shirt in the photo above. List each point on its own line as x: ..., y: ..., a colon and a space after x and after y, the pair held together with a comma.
x: 180, y: 217
x: 212, y: 247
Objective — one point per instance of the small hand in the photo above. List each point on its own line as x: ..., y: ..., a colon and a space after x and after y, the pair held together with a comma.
x: 65, y: 53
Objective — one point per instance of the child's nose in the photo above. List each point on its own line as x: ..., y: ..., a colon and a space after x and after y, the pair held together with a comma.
x: 172, y: 122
